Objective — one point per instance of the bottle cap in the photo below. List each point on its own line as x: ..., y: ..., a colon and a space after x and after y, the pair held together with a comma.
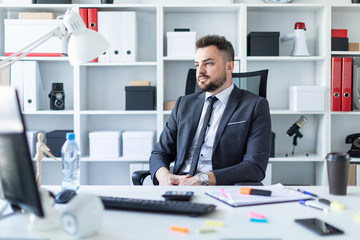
x: 70, y: 136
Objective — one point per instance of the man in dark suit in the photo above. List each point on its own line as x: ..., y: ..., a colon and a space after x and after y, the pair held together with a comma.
x: 236, y: 146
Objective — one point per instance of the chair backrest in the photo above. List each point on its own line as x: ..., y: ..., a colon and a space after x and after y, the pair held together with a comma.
x: 255, y: 82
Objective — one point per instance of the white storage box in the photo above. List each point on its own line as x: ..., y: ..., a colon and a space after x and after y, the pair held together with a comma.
x: 105, y: 144
x: 307, y: 98
x: 181, y: 44
x: 138, y: 143
x: 32, y: 139
x: 21, y: 32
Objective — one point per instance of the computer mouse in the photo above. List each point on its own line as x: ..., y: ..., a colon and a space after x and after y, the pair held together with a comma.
x: 65, y: 196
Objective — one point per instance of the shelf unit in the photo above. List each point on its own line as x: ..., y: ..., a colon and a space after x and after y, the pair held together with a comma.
x: 95, y: 100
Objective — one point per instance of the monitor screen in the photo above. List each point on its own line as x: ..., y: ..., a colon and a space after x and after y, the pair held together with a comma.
x: 17, y: 177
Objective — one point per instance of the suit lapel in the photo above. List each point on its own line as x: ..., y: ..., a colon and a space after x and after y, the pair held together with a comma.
x: 196, y: 111
x: 231, y: 106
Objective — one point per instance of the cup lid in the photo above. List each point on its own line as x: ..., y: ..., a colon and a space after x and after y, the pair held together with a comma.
x: 338, y: 156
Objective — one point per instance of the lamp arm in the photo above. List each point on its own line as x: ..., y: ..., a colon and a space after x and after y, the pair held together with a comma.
x: 26, y: 50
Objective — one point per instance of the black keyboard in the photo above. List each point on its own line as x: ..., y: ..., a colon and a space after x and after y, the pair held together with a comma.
x: 179, y: 207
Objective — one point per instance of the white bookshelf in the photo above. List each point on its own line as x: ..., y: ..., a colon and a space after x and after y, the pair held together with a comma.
x: 95, y: 100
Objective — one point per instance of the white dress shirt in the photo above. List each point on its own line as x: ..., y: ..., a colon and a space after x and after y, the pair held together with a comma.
x: 204, y: 163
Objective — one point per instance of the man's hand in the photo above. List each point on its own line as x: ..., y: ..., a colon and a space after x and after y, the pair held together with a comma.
x: 166, y: 178
x: 190, y: 181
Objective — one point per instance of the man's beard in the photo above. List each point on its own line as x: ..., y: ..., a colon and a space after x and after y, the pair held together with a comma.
x: 214, y: 84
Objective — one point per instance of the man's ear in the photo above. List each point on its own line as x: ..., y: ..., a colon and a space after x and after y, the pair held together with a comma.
x: 230, y: 66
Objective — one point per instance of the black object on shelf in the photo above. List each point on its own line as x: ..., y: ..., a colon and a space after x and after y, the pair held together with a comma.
x: 339, y: 44
x: 51, y: 1
x: 272, y: 140
x: 140, y: 97
x: 55, y: 140
x: 263, y: 44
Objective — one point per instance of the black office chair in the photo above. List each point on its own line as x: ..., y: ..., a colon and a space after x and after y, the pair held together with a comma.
x: 255, y: 82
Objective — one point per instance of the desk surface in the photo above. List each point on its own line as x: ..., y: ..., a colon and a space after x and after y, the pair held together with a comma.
x: 137, y: 225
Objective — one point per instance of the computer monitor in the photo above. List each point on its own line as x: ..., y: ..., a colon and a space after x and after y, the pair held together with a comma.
x: 17, y: 177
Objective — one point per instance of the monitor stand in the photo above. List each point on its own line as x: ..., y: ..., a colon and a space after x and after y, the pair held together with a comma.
x: 51, y: 220
x: 2, y: 216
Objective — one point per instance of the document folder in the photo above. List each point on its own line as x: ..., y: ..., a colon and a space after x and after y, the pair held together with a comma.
x: 346, y: 84
x: 279, y: 194
x: 335, y: 84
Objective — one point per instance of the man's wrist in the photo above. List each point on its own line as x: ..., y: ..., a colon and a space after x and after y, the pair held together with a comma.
x: 161, y: 173
x: 206, y: 178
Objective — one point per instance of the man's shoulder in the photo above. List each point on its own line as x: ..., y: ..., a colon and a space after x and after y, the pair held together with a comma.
x: 242, y: 93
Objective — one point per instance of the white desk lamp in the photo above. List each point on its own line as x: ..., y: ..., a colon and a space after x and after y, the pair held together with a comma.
x: 84, y: 44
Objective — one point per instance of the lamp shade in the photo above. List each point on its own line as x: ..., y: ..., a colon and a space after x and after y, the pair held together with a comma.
x: 84, y: 44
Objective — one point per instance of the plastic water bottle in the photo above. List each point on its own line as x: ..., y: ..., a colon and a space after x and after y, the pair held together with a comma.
x: 70, y: 153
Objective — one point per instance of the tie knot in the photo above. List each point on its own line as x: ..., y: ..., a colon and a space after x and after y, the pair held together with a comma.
x: 212, y: 99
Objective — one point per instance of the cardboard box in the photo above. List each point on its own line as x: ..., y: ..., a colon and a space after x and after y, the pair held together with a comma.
x: 55, y: 140
x: 263, y: 43
x: 17, y: 2
x: 140, y: 98
x: 181, y: 44
x: 140, y: 83
x: 352, y: 175
x: 36, y: 15
x: 52, y: 1
x: 22, y: 32
x: 307, y: 98
x: 138, y: 143
x: 105, y: 144
x: 169, y: 105
x: 354, y: 47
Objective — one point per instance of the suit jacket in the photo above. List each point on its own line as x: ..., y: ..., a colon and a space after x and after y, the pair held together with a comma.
x: 241, y: 147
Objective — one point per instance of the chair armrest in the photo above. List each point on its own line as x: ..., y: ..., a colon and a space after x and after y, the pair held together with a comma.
x: 249, y: 184
x: 138, y: 177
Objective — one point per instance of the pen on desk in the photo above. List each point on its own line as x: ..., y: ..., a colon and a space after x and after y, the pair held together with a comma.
x: 308, y: 193
x: 333, y: 205
x: 251, y: 191
x: 309, y: 204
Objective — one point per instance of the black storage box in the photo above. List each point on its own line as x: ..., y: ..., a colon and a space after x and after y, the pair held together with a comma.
x: 51, y: 1
x: 339, y: 44
x: 263, y: 44
x: 55, y: 140
x: 140, y: 97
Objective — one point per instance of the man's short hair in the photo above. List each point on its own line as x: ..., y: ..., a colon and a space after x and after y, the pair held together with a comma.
x: 220, y: 42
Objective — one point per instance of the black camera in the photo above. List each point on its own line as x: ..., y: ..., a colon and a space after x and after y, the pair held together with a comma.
x: 57, y: 97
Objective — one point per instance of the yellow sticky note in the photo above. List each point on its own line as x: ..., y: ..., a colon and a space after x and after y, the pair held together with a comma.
x: 214, y: 223
x: 205, y: 230
x: 357, y: 217
x: 336, y: 206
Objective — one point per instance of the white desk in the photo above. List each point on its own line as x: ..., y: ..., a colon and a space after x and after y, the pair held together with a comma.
x: 137, y: 225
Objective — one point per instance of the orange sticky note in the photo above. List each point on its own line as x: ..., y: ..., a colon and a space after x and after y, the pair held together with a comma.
x: 179, y: 229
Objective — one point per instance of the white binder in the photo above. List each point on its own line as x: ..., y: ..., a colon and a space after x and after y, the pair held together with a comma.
x: 33, y: 89
x: 119, y: 28
x: 17, y: 80
x: 104, y: 29
x: 129, y: 39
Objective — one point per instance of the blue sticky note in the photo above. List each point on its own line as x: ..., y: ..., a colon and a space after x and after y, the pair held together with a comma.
x: 262, y: 220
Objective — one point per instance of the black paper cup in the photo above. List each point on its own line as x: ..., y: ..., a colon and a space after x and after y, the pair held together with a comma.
x: 338, y: 172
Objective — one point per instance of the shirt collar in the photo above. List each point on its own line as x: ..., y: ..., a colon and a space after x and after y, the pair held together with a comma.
x: 222, y: 96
